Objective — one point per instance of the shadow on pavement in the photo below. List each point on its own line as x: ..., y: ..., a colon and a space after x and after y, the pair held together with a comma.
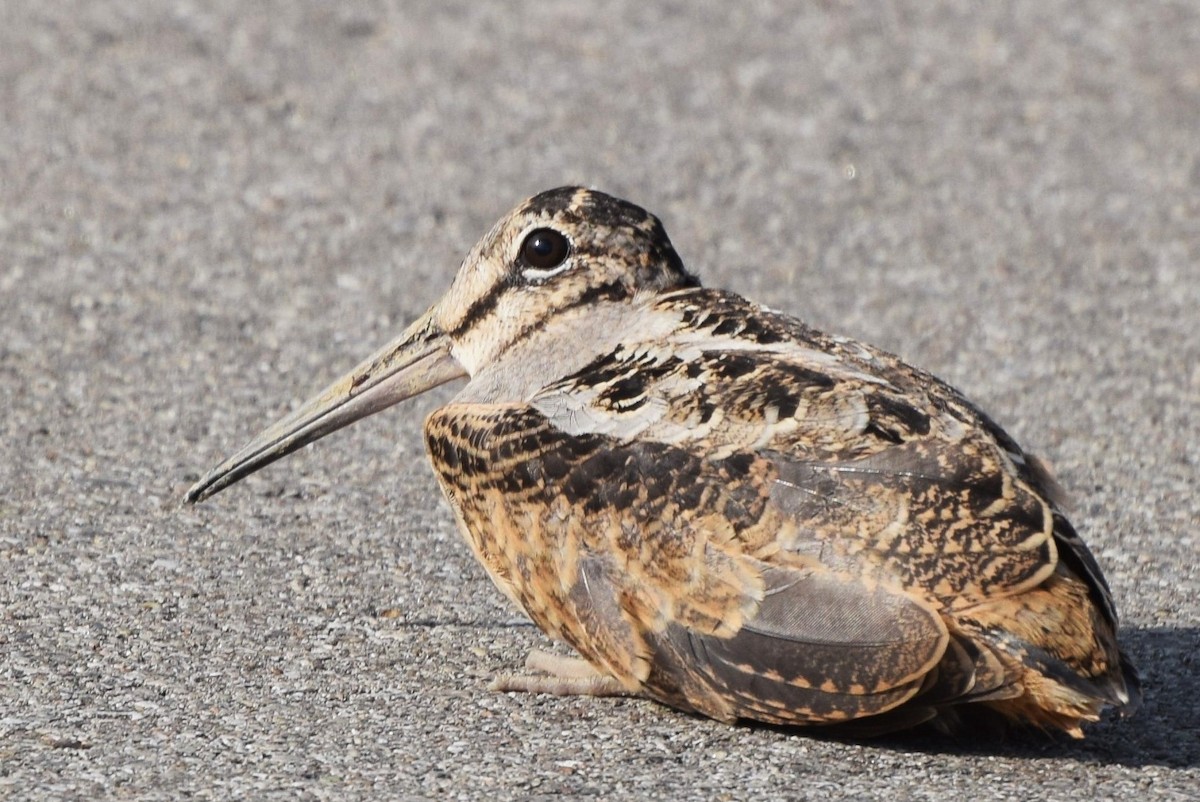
x: 1164, y: 732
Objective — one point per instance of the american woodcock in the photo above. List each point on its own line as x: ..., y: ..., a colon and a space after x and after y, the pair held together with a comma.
x: 723, y: 509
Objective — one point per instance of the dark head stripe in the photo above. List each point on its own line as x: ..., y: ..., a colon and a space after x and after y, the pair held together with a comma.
x: 481, y: 308
x: 579, y: 203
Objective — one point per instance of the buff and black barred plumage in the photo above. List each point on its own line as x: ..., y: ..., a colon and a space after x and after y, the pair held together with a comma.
x: 725, y: 510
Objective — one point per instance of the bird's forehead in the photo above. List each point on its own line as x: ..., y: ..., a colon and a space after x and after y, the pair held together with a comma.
x: 580, y: 206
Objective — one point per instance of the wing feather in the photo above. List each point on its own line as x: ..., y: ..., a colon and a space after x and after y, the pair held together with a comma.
x: 821, y: 648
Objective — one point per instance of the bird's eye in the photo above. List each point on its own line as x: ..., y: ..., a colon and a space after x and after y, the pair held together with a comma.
x: 545, y: 248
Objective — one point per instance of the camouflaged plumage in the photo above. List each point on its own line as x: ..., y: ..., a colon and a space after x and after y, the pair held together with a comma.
x: 727, y: 511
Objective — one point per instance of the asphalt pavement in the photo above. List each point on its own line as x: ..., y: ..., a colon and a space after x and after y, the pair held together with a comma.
x: 209, y: 209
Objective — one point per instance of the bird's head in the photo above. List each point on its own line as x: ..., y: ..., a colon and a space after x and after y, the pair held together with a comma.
x: 559, y: 253
x: 564, y: 250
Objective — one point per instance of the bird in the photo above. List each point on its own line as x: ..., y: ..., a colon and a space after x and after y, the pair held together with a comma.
x: 722, y: 509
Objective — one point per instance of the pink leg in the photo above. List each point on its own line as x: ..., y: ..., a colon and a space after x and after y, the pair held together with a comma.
x: 559, y: 676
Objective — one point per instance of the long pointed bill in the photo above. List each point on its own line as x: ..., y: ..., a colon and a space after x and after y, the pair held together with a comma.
x: 418, y: 360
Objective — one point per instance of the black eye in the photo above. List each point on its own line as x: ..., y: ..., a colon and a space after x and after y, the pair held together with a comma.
x: 545, y: 248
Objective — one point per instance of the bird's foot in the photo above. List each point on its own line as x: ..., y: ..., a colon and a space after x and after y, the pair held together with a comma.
x: 559, y: 676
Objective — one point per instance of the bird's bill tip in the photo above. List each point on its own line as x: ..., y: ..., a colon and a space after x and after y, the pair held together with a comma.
x: 416, y: 361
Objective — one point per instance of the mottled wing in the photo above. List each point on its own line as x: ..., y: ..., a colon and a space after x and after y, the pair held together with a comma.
x: 661, y: 564
x: 943, y: 518
x: 855, y: 400
x: 866, y: 463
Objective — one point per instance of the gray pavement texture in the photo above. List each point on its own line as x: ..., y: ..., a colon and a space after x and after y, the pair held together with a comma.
x: 211, y: 208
